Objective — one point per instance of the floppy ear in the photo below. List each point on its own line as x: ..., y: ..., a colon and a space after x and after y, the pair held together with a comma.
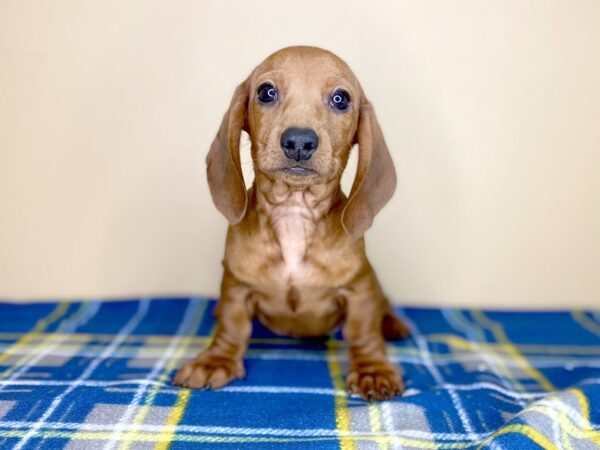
x: 375, y: 179
x: 224, y: 168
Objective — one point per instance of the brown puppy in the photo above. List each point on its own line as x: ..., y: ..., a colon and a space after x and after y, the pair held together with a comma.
x: 295, y: 254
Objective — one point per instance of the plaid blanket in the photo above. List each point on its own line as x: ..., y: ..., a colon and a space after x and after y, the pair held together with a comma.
x: 95, y: 375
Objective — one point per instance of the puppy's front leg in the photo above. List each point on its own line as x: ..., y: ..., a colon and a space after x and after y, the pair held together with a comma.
x: 371, y: 373
x: 222, y: 361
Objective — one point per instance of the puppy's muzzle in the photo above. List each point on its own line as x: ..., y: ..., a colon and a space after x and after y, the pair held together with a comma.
x: 299, y: 144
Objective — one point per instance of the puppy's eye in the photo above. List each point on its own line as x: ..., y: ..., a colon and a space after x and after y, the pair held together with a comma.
x: 267, y: 93
x: 340, y: 100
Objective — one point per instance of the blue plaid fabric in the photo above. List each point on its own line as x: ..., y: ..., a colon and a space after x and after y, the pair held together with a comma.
x: 96, y: 375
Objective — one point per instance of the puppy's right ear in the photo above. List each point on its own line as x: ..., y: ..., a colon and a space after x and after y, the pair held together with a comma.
x: 224, y: 168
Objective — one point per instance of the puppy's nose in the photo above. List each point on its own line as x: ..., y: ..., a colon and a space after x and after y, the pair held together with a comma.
x: 299, y: 143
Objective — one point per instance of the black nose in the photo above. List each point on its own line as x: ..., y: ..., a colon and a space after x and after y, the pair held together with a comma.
x: 299, y: 143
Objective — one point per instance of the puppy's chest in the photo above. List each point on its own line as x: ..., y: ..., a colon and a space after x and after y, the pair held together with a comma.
x: 291, y: 244
x: 295, y: 231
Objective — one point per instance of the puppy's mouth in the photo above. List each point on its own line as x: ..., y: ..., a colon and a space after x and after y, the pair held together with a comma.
x: 298, y: 175
x: 299, y: 170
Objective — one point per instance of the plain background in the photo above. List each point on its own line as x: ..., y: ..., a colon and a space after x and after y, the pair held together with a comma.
x: 491, y: 110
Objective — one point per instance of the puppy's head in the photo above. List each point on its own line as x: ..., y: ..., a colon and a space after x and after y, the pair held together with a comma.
x: 303, y: 109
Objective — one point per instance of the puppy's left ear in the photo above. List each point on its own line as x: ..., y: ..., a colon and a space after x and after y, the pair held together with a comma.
x: 224, y: 169
x: 375, y: 179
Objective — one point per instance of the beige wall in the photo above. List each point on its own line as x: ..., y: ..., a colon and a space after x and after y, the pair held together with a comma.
x: 491, y: 109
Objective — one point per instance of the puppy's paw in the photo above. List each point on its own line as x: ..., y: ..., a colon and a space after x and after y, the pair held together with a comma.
x: 375, y: 380
x: 208, y: 371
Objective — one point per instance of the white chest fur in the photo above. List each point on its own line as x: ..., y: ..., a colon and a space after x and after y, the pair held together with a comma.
x: 294, y: 226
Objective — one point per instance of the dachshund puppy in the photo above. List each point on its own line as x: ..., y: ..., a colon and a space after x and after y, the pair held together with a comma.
x: 295, y: 254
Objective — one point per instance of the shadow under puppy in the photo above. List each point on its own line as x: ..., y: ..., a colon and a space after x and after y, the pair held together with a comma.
x: 295, y: 253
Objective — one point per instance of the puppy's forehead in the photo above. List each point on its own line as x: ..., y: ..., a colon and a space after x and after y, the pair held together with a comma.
x: 307, y: 63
